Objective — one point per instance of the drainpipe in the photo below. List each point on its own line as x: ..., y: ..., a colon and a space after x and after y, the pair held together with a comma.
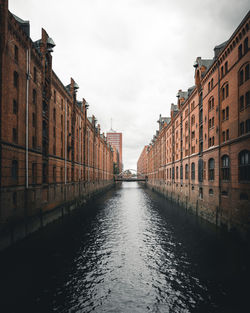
x: 65, y: 148
x: 80, y: 163
x: 88, y: 152
x: 218, y: 211
x: 27, y: 119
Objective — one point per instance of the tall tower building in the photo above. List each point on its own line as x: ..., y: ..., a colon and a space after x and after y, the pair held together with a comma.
x: 115, y: 139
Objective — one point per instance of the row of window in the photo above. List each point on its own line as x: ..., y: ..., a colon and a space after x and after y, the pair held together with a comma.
x: 245, y: 101
x: 245, y: 127
x: 243, y: 162
x: 245, y: 70
x: 241, y: 52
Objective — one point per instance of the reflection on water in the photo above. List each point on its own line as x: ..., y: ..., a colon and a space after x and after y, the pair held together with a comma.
x: 130, y: 251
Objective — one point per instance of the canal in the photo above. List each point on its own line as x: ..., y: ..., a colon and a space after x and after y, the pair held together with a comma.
x: 128, y: 251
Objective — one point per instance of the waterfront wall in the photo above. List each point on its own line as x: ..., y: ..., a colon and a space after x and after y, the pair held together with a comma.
x: 61, y: 201
x: 230, y: 214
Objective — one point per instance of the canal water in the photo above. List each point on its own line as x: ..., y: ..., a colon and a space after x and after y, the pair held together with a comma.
x: 128, y: 251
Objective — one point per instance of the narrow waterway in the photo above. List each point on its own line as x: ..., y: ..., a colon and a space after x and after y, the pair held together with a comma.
x: 128, y: 251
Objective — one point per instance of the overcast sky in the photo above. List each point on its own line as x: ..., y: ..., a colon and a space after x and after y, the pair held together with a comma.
x: 130, y: 57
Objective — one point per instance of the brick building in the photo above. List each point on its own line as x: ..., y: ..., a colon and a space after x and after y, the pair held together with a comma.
x: 50, y: 151
x: 200, y: 156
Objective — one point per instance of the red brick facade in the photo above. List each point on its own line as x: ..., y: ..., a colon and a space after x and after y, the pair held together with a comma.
x: 200, y: 156
x: 50, y: 152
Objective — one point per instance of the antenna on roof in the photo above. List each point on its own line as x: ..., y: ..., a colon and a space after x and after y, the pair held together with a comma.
x: 111, y: 129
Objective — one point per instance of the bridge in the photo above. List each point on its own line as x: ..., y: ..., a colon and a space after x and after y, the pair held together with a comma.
x: 130, y: 175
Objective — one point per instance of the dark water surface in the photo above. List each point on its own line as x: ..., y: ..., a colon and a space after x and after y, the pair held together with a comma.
x: 128, y: 251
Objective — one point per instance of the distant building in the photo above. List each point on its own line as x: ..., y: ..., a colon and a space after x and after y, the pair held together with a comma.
x: 115, y: 139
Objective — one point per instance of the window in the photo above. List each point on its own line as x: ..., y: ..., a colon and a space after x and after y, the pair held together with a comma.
x: 226, y: 67
x: 227, y: 90
x: 225, y: 167
x: 192, y: 120
x: 247, y: 98
x: 247, y: 74
x: 211, y: 169
x: 181, y: 172
x: 211, y: 192
x: 209, y: 87
x: 54, y: 114
x: 244, y: 165
x: 33, y: 119
x: 45, y: 173
x: 211, y: 104
x: 200, y: 170
x: 241, y: 77
x: 212, y: 83
x: 248, y: 126
x: 241, y: 128
x: 201, y: 193
x: 227, y: 113
x: 35, y: 75
x: 186, y: 171
x: 14, y: 170
x: 16, y: 54
x: 223, y: 115
x: 14, y: 135
x: 177, y: 170
x: 222, y: 71
x: 241, y: 103
x: 193, y: 171
x: 15, y: 107
x: 223, y: 136
x: 34, y: 97
x: 227, y: 134
x: 173, y: 173
x: 54, y: 96
x: 15, y: 79
x: 245, y: 45
x: 240, y: 51
x: 54, y: 174
x: 193, y: 135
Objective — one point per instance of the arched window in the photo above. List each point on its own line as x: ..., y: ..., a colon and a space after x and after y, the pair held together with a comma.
x: 193, y: 171
x: 186, y: 171
x: 225, y: 170
x: 211, y: 169
x: 244, y: 165
x: 181, y: 172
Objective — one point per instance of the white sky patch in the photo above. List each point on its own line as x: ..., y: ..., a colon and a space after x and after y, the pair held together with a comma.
x: 131, y: 57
